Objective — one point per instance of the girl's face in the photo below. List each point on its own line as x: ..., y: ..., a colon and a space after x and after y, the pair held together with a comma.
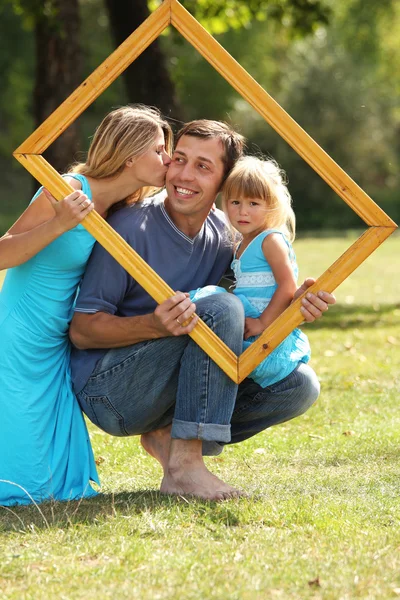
x: 247, y: 215
x: 150, y: 169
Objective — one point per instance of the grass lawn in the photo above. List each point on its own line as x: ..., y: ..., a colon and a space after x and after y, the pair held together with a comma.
x: 323, y: 517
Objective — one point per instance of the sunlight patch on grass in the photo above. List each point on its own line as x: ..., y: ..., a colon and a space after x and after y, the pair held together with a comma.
x: 375, y: 282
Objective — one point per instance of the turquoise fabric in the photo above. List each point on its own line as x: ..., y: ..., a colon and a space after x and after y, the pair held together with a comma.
x: 254, y: 286
x: 45, y: 452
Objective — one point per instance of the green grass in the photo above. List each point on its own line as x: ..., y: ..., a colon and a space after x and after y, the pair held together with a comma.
x: 323, y: 517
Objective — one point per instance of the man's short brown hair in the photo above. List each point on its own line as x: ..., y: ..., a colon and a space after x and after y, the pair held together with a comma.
x: 232, y: 142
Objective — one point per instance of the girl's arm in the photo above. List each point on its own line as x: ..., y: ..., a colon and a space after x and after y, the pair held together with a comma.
x: 277, y: 255
x: 42, y: 222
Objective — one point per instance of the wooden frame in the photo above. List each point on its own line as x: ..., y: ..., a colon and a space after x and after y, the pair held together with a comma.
x: 172, y: 12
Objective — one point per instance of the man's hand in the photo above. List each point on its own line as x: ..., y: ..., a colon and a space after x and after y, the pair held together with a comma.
x: 313, y: 305
x: 175, y: 316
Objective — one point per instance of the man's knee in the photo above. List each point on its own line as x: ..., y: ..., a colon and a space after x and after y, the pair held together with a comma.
x: 225, y: 306
x: 232, y: 309
x: 308, y: 388
x: 225, y: 315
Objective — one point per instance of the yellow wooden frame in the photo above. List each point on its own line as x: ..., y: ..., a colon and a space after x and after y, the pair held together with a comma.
x: 171, y: 12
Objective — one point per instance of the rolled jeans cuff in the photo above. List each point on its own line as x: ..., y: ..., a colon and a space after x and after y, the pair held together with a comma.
x: 211, y: 432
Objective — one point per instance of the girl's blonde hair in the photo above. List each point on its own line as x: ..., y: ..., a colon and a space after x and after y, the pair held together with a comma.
x: 259, y: 179
x: 127, y: 132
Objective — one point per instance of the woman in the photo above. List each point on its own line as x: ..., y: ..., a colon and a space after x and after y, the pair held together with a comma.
x: 45, y: 451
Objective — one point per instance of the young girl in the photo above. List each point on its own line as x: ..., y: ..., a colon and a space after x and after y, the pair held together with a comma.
x: 44, y: 447
x: 258, y: 205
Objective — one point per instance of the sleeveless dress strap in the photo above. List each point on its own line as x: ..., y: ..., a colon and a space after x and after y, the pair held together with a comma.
x: 261, y: 236
x: 83, y: 180
x: 258, y: 240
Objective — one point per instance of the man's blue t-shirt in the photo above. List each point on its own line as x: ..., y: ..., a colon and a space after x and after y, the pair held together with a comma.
x: 184, y: 263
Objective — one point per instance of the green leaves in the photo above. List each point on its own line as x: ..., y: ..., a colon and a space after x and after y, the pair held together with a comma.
x: 218, y: 16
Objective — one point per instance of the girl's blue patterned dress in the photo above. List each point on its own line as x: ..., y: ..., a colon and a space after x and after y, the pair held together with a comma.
x: 255, y: 285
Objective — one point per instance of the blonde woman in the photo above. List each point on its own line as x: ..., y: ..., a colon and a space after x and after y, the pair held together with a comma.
x: 45, y: 451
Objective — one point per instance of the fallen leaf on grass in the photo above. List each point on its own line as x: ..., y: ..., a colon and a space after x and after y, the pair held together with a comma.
x: 315, y: 582
x: 99, y: 460
x: 392, y: 340
x: 37, y: 567
x: 329, y: 353
x: 91, y: 561
x: 350, y: 432
x: 316, y: 437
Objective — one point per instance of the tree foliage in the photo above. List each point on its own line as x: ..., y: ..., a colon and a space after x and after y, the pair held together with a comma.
x: 332, y: 64
x: 218, y: 16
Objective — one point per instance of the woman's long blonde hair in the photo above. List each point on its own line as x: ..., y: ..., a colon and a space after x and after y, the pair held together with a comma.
x: 259, y: 179
x: 127, y: 132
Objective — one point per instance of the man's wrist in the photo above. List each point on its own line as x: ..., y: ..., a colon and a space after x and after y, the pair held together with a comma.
x: 156, y: 330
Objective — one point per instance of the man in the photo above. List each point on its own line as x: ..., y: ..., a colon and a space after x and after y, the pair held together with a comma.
x: 135, y: 369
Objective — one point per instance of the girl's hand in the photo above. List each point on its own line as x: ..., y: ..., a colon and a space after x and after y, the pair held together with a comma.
x: 71, y: 210
x: 252, y: 327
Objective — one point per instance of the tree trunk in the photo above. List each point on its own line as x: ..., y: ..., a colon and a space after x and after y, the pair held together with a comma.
x: 147, y: 79
x: 58, y: 59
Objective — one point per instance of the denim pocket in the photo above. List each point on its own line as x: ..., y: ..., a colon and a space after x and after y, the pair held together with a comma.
x: 103, y: 413
x: 116, y: 361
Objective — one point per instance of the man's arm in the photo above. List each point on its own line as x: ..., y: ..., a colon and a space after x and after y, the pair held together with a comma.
x: 103, y: 330
x: 313, y: 306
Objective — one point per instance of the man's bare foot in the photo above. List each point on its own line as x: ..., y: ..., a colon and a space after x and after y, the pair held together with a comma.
x: 186, y: 474
x: 199, y: 483
x: 157, y: 444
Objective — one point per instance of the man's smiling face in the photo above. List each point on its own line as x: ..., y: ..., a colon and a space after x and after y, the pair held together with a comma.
x: 194, y: 178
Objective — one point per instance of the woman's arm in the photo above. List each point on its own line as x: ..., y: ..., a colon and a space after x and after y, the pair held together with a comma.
x: 42, y: 222
x: 276, y: 253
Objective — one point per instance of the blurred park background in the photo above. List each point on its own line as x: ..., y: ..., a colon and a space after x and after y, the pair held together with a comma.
x: 322, y: 520
x: 332, y: 64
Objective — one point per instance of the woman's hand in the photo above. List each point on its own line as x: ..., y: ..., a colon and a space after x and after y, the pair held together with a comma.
x: 71, y: 210
x: 41, y: 223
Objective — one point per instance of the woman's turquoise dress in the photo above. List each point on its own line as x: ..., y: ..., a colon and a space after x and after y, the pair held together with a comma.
x: 45, y: 452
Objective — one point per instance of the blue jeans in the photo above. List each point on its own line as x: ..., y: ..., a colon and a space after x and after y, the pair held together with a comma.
x: 145, y: 386
x: 258, y: 408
